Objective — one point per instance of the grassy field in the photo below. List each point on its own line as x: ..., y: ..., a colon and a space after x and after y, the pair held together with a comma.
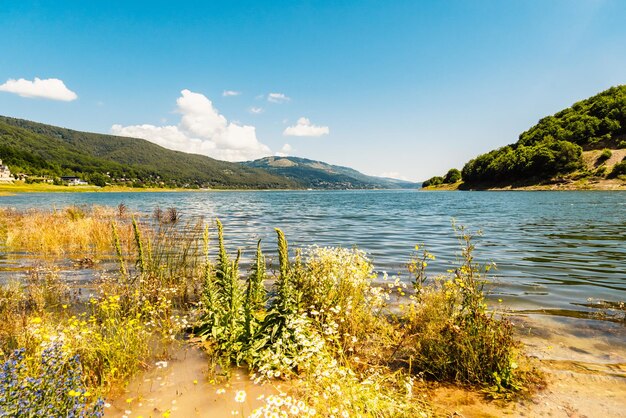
x: 22, y: 187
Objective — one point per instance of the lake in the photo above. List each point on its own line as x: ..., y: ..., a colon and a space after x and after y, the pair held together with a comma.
x: 556, y: 252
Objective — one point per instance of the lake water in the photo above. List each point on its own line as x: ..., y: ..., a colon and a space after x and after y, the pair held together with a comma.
x: 556, y: 252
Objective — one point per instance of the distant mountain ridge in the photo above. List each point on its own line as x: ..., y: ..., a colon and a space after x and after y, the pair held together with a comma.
x: 319, y: 175
x: 37, y: 149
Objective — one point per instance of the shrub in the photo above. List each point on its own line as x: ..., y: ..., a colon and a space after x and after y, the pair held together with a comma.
x: 433, y: 181
x: 448, y: 334
x: 600, y: 171
x: 604, y: 155
x: 618, y: 170
x: 336, y: 292
x: 452, y: 176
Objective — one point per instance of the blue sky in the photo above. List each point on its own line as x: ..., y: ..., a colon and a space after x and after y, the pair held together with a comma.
x: 403, y: 88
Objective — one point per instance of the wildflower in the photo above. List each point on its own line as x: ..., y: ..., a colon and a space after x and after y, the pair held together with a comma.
x: 240, y: 396
x: 161, y: 364
x: 220, y: 391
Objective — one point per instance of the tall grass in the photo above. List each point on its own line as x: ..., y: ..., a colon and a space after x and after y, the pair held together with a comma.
x: 70, y: 232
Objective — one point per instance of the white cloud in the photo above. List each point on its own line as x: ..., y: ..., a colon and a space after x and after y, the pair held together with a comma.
x: 277, y: 98
x: 256, y: 110
x: 285, y: 151
x: 304, y: 127
x: 230, y: 93
x: 50, y: 88
x: 394, y: 175
x: 202, y: 130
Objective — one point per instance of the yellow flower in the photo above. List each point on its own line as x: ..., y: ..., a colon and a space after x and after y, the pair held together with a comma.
x: 36, y: 320
x: 73, y: 393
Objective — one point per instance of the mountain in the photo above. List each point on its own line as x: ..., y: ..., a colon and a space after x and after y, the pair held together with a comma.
x: 37, y: 149
x: 319, y: 175
x: 559, y: 148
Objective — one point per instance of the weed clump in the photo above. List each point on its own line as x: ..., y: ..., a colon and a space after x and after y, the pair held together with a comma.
x: 605, y: 155
x: 449, y: 334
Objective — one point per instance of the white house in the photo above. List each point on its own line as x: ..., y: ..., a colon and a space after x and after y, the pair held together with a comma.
x: 73, y: 181
x: 5, y: 173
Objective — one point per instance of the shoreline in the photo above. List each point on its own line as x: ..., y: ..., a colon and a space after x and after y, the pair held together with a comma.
x: 19, y: 188
x: 581, y: 186
x: 13, y: 189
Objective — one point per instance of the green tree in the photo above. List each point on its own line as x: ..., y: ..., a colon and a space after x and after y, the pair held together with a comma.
x: 452, y: 176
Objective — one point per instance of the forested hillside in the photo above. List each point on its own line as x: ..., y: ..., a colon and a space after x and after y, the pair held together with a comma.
x: 554, y: 146
x: 42, y: 150
x: 320, y: 175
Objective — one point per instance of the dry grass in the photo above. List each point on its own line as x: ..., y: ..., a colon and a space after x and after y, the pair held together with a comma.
x: 70, y: 231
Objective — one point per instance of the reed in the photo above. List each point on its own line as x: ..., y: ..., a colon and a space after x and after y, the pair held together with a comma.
x: 73, y: 231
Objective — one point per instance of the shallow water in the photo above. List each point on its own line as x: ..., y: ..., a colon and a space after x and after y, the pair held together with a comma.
x: 554, y: 250
x: 183, y: 389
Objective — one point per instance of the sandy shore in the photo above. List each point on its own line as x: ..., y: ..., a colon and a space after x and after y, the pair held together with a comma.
x: 584, y: 365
